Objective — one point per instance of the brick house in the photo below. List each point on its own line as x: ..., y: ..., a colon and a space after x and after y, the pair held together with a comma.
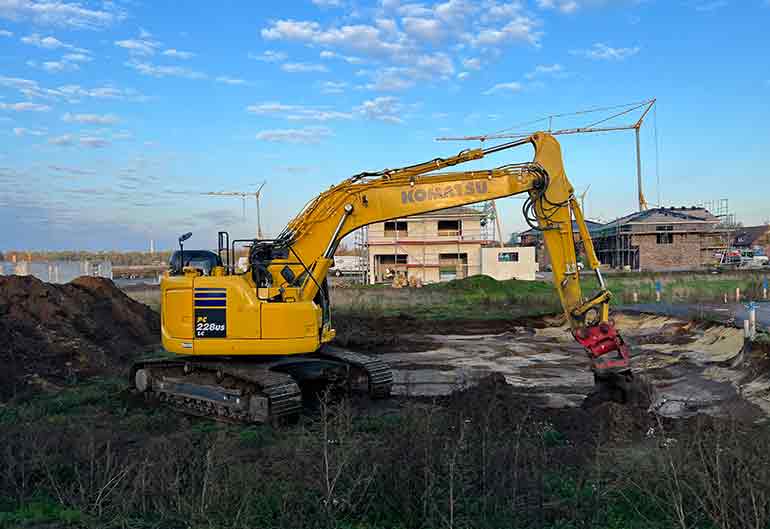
x: 661, y: 239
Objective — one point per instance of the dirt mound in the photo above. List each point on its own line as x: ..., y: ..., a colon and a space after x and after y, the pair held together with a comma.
x: 88, y: 326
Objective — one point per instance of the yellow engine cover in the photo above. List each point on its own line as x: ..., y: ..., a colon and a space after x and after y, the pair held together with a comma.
x: 225, y: 315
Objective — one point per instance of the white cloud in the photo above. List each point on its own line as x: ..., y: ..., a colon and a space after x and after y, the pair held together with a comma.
x: 554, y: 70
x: 414, y: 10
x: 462, y: 76
x: 68, y: 140
x: 386, y: 109
x: 328, y: 3
x: 5, y: 33
x: 402, y: 38
x: 269, y: 56
x: 504, y: 87
x: 309, y: 135
x: 91, y: 119
x: 138, y: 46
x: 77, y: 57
x: 434, y: 64
x: 25, y: 106
x: 303, y: 67
x: 160, y: 71
x: 455, y: 11
x: 423, y: 28
x: 565, y: 6
x: 360, y: 37
x: 74, y: 92
x: 705, y: 6
x: 178, y: 54
x: 94, y: 142
x: 21, y: 131
x: 61, y: 13
x: 229, y: 80
x: 473, y: 63
x: 326, y: 54
x: 522, y: 28
x: 48, y: 43
x: 391, y: 79
x: 297, y: 112
x: 63, y: 141
x: 54, y: 66
x: 333, y: 87
x: 603, y: 52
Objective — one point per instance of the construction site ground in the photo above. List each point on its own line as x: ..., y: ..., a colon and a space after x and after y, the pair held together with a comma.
x: 485, y: 428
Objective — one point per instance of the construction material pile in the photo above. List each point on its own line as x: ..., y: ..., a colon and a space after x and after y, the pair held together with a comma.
x: 51, y: 333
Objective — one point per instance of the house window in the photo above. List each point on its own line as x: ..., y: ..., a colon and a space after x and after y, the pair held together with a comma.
x: 665, y: 227
x: 625, y: 228
x: 508, y: 257
x: 396, y: 229
x: 665, y: 238
x: 392, y: 259
x: 449, y: 228
x: 452, y: 266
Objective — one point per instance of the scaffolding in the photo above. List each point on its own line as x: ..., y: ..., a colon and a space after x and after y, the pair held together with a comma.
x: 361, y: 249
x: 411, y: 253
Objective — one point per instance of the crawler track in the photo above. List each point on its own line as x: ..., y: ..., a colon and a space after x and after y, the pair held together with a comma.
x: 260, y: 390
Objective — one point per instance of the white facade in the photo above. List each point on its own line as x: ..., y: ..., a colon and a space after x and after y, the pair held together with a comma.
x: 515, y: 262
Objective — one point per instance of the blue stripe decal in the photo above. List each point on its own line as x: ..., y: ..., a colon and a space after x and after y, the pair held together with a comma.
x: 205, y: 295
x: 211, y: 289
x: 211, y: 303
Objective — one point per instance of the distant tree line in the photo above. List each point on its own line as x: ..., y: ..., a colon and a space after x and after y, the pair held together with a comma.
x: 115, y: 257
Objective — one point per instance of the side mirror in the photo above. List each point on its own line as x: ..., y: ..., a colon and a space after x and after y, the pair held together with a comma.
x: 184, y: 237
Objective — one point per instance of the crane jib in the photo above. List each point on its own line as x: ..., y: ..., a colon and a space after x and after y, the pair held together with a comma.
x: 478, y: 187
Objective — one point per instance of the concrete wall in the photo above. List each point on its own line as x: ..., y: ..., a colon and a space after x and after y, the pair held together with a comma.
x: 524, y: 269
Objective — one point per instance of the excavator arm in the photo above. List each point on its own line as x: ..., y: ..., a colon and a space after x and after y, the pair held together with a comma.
x: 313, y: 236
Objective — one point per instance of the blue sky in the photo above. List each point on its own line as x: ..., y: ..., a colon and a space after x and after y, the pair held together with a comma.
x: 116, y: 116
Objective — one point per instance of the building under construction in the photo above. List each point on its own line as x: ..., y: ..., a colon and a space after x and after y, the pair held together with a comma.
x: 662, y: 239
x: 444, y: 245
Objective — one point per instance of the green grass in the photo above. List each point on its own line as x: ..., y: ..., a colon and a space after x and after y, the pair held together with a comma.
x: 57, y: 406
x: 481, y: 297
x: 37, y: 512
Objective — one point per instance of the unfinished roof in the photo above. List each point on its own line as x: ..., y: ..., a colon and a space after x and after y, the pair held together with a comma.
x: 663, y: 215
x: 591, y: 225
x: 457, y: 211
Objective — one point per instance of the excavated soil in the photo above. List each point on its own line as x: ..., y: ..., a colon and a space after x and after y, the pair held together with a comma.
x: 405, y: 333
x: 54, y: 332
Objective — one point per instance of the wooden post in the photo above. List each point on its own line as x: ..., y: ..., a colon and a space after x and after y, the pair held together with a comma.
x: 738, y: 295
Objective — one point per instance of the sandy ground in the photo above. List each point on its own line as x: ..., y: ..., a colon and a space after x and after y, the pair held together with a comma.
x: 692, y: 368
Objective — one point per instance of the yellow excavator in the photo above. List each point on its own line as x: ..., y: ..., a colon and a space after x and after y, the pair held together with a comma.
x: 251, y: 342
